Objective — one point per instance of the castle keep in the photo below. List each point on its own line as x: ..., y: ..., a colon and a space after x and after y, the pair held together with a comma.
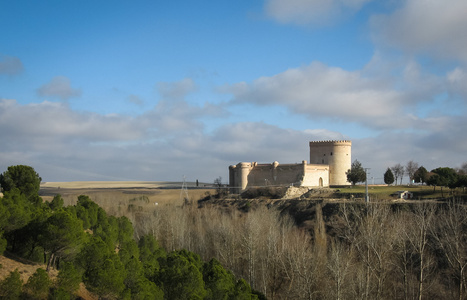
x: 329, y: 160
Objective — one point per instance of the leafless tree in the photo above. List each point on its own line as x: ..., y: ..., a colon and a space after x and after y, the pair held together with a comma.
x: 339, y: 264
x: 451, y: 236
x: 398, y: 171
x: 410, y: 169
x: 417, y: 234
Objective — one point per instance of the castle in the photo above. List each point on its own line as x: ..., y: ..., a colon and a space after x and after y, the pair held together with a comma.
x: 329, y: 160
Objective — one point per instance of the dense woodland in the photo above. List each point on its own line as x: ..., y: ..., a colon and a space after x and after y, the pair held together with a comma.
x: 349, y: 250
x: 87, y: 245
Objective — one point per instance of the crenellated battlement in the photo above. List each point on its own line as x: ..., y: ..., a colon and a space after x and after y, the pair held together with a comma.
x: 329, y: 142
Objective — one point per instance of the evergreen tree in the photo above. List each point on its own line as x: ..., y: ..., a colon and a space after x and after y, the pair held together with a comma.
x: 10, y: 287
x: 62, y: 232
x: 56, y: 203
x: 421, y: 175
x: 38, y: 285
x: 180, y: 278
x: 388, y: 177
x: 219, y: 282
x: 356, y: 173
x: 68, y: 278
x: 23, y: 178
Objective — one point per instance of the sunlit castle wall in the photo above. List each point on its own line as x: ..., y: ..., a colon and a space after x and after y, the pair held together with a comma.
x: 336, y: 154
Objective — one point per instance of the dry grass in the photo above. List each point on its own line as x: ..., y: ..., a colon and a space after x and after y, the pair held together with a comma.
x: 117, y: 197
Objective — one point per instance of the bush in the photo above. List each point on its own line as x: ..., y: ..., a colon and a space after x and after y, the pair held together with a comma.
x: 10, y: 287
x: 38, y: 285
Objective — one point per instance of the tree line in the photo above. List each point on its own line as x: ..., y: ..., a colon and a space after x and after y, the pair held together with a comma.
x: 441, y: 177
x: 87, y: 245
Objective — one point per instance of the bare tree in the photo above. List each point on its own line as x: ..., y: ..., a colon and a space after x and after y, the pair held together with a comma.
x: 339, y: 265
x: 451, y: 237
x: 463, y: 169
x: 398, y: 171
x: 369, y: 229
x: 410, y: 169
x: 417, y: 235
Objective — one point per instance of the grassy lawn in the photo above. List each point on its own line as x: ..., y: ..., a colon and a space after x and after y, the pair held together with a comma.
x: 384, y: 192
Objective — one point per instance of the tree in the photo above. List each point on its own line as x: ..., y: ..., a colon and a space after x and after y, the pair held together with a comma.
x: 104, y: 274
x: 68, y: 278
x: 463, y: 169
x: 421, y: 175
x: 443, y: 177
x: 410, y: 169
x: 62, y: 232
x: 180, y: 277
x: 398, y: 171
x: 23, y: 178
x: 356, y: 173
x: 10, y: 287
x: 56, y: 203
x: 219, y: 282
x: 38, y: 285
x: 388, y: 177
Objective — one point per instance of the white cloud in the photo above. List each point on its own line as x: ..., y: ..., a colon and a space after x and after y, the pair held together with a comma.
x: 457, y: 82
x: 318, y: 12
x: 429, y: 27
x: 59, y: 86
x: 10, y: 65
x: 319, y: 91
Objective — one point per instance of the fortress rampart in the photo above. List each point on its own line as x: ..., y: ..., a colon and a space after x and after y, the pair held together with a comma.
x: 329, y: 160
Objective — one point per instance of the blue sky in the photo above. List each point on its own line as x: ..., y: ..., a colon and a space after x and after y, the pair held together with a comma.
x: 158, y: 90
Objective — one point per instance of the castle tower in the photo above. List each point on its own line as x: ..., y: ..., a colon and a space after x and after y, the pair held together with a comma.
x: 336, y: 154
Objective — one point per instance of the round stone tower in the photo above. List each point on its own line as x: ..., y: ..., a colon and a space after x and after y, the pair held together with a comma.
x: 336, y: 154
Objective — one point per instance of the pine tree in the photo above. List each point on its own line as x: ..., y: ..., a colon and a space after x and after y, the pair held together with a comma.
x: 388, y: 177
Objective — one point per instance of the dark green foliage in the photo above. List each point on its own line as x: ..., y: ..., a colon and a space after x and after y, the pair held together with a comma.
x: 103, y: 272
x: 125, y: 230
x: 17, y: 210
x: 461, y: 181
x: 146, y: 290
x: 421, y: 175
x: 106, y: 228
x: 62, y: 233
x: 180, y: 278
x: 242, y: 291
x: 388, y: 177
x: 356, y: 173
x: 149, y: 253
x: 106, y: 258
x: 23, y: 178
x: 447, y: 176
x: 56, y: 203
x: 10, y: 287
x: 68, y: 278
x: 60, y: 294
x: 38, y: 285
x: 219, y: 282
x: 3, y: 243
x: 87, y: 210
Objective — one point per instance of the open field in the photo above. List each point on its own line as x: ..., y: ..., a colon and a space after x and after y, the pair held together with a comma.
x: 117, y: 196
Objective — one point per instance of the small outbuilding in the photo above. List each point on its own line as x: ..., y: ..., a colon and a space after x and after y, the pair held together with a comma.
x: 403, y: 195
